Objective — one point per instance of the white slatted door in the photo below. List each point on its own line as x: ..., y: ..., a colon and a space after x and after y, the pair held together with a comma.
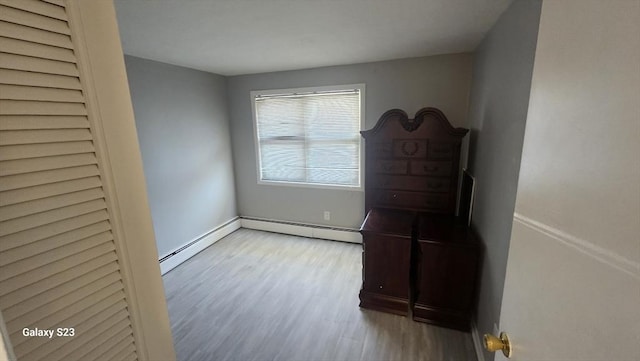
x: 58, y: 262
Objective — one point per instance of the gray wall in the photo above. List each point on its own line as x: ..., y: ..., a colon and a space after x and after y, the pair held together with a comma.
x: 183, y: 129
x: 503, y: 64
x: 409, y: 84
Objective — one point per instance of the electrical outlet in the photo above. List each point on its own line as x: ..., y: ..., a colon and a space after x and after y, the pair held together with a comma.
x: 327, y: 215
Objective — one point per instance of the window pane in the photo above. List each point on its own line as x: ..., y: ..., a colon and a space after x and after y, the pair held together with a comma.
x: 280, y: 118
x: 283, y: 161
x: 335, y: 155
x: 333, y: 117
x: 329, y: 176
x: 333, y: 162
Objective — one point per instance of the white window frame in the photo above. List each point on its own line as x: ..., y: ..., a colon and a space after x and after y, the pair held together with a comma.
x: 307, y: 90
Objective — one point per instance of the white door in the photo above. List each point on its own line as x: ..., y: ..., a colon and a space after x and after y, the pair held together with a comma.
x: 572, y: 290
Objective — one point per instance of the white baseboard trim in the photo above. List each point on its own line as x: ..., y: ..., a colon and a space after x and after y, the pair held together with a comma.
x: 181, y: 254
x: 303, y: 230
x: 477, y: 341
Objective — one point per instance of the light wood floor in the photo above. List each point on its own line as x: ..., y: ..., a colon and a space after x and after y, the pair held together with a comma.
x: 264, y: 296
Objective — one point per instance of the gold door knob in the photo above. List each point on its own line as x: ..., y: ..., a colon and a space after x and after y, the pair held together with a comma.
x: 493, y: 344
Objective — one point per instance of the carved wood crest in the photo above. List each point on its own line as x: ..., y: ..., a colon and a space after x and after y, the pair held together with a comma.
x: 411, y: 124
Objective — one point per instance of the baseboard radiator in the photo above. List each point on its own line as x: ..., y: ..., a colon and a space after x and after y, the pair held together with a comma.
x: 198, y: 244
x: 302, y: 229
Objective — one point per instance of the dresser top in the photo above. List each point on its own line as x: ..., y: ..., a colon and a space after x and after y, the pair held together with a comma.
x: 389, y: 221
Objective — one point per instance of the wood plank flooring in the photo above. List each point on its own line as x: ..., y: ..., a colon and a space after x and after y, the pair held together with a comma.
x: 264, y: 296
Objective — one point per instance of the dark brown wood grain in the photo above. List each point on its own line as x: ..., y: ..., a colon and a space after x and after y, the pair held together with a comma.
x: 387, y: 241
x: 446, y: 267
x: 415, y: 252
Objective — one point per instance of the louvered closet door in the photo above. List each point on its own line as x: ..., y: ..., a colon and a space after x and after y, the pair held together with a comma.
x: 58, y: 262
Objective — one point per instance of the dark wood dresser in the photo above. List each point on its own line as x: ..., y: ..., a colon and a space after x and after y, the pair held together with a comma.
x: 386, y: 258
x: 412, y: 163
x: 446, y: 258
x: 413, y: 247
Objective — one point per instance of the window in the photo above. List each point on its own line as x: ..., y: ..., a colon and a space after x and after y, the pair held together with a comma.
x: 309, y: 136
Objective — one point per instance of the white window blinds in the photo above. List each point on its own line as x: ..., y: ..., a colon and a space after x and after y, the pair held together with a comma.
x: 309, y: 137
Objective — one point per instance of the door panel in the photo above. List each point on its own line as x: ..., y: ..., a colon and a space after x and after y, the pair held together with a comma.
x: 572, y: 287
x: 565, y: 302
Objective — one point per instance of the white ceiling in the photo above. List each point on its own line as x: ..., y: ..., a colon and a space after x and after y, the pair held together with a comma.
x: 232, y: 37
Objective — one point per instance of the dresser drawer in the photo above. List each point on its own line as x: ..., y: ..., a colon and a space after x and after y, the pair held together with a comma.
x: 412, y: 200
x: 437, y: 185
x: 382, y: 150
x: 436, y: 169
x: 409, y: 183
x: 441, y: 150
x: 391, y: 166
x: 386, y: 264
x: 399, y: 182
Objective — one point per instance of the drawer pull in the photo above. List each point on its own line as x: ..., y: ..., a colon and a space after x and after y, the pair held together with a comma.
x: 395, y: 196
x: 431, y: 169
